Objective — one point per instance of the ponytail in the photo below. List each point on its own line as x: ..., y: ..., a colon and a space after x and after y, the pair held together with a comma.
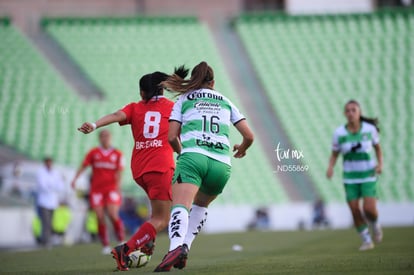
x: 372, y: 121
x: 201, y: 77
x: 181, y: 71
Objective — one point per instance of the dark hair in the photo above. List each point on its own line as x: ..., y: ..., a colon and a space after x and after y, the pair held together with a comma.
x: 150, y: 84
x: 47, y: 158
x: 201, y: 77
x: 373, y: 121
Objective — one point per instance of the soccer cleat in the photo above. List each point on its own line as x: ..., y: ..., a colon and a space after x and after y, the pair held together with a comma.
x: 378, y: 235
x: 172, y: 258
x: 183, y: 261
x: 120, y: 256
x: 366, y: 246
x: 106, y: 250
x: 148, y: 248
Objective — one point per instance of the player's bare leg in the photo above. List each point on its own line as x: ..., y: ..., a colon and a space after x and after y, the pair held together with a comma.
x: 144, y: 238
x: 361, y: 225
x: 371, y: 213
x: 102, y: 232
x: 160, y: 214
x: 113, y: 213
x: 147, y: 232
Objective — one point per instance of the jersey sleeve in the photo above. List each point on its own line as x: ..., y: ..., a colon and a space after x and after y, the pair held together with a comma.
x: 88, y: 159
x: 176, y: 114
x: 335, y: 142
x: 235, y: 115
x: 127, y: 109
x: 375, y: 136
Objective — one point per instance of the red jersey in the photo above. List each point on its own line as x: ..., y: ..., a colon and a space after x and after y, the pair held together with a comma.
x: 105, y: 164
x: 149, y: 125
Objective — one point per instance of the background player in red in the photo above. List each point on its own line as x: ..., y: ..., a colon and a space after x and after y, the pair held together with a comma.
x: 152, y: 160
x: 107, y: 164
x: 105, y: 196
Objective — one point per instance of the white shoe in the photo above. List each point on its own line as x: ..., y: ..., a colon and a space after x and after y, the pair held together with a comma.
x: 366, y: 246
x: 106, y: 250
x: 378, y: 235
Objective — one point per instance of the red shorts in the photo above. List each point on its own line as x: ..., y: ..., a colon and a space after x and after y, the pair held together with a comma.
x: 97, y: 198
x: 157, y: 185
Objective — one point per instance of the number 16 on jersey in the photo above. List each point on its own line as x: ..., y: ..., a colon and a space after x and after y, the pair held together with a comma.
x: 211, y: 124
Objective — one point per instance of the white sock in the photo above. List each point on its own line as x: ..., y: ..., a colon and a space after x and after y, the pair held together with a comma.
x: 365, y: 236
x: 375, y: 225
x: 198, y: 218
x: 178, y: 226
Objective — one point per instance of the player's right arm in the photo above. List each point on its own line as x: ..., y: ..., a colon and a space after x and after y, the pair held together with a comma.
x: 78, y: 173
x: 89, y: 127
x: 85, y: 163
x: 173, y: 136
x: 174, y: 128
x: 331, y: 165
x: 334, y: 155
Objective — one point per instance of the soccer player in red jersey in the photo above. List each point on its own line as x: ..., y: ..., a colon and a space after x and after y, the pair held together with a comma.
x: 107, y: 164
x: 152, y: 162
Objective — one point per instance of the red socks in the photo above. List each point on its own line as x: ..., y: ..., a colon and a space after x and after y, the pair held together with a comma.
x: 119, y: 230
x: 145, y: 234
x: 103, y: 234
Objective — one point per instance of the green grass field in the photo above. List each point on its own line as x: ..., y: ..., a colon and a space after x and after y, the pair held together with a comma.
x: 309, y: 252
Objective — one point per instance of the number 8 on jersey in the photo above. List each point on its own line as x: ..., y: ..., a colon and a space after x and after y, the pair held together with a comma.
x: 151, y: 124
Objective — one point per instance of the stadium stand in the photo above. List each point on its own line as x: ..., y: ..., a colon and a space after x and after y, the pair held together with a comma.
x: 311, y: 65
x: 113, y: 54
x: 33, y: 99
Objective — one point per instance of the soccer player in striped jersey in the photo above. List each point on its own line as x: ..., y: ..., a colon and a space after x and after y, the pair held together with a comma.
x: 355, y: 141
x: 107, y: 164
x: 199, y: 133
x: 152, y: 162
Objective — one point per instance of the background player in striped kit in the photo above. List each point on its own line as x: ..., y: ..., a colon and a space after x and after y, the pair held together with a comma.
x: 199, y: 132
x: 152, y: 161
x: 355, y: 141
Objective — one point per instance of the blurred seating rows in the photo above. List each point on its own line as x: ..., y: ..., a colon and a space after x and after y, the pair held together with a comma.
x: 310, y: 66
x: 40, y: 113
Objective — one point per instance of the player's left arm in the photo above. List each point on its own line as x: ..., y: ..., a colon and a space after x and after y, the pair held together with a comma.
x: 86, y: 162
x: 89, y: 127
x: 118, y: 176
x: 248, y: 137
x: 378, y: 153
x: 377, y: 148
x: 119, y: 170
x: 239, y: 121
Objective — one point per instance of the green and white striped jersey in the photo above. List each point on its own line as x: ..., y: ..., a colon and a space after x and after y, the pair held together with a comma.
x: 205, y: 116
x: 356, y: 148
